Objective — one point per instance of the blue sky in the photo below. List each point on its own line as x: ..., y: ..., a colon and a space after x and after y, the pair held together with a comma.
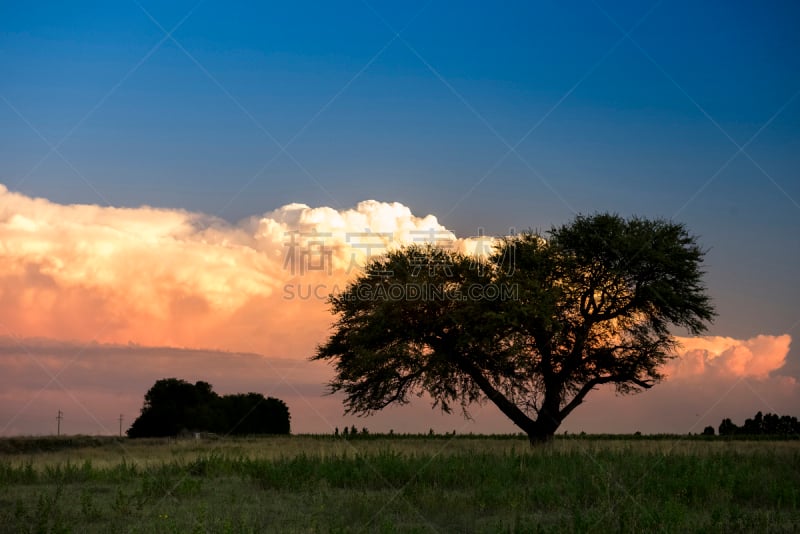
x: 486, y: 116
x: 617, y: 124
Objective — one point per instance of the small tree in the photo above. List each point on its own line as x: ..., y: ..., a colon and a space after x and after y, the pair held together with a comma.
x: 533, y: 330
x: 754, y: 426
x: 173, y: 405
x: 727, y: 428
x: 708, y: 431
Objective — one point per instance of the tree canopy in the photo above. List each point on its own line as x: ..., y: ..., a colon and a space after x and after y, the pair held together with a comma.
x: 172, y: 406
x: 533, y: 328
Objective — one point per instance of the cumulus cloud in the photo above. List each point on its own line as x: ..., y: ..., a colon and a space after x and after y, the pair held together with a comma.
x: 712, y: 378
x: 103, y: 277
x: 756, y: 357
x: 178, y: 278
x: 187, y: 279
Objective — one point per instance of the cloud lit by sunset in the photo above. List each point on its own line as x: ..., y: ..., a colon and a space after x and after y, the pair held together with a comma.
x: 421, y: 255
x: 719, y: 356
x: 194, y: 179
x: 172, y: 278
x: 157, y: 276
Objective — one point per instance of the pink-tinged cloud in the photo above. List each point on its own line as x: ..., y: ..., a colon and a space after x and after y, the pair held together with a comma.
x: 756, y: 357
x: 171, y: 277
x: 106, y: 277
x: 94, y: 383
x: 711, y: 378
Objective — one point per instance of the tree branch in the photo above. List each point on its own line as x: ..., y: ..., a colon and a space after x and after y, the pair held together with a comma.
x: 646, y: 384
x: 587, y: 387
x: 511, y: 410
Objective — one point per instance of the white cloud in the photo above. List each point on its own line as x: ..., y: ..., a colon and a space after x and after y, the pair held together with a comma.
x: 174, y: 278
x: 182, y: 278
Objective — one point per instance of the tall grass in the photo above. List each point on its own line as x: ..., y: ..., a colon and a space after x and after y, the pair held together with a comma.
x: 306, y: 484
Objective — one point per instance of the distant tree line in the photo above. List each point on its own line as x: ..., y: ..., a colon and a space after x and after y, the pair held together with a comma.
x: 352, y: 431
x: 173, y: 406
x: 767, y: 425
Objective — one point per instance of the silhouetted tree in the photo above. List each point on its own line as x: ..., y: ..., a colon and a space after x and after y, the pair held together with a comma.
x: 727, y: 428
x: 708, y: 431
x: 781, y: 425
x: 534, y: 329
x: 772, y: 424
x: 251, y: 413
x: 784, y: 425
x: 173, y: 405
x: 755, y: 426
x: 769, y: 424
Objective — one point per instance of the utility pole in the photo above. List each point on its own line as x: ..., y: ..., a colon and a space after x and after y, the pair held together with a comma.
x: 59, y: 417
x: 120, y: 425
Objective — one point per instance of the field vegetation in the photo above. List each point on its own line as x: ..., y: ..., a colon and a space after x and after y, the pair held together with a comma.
x: 397, y: 483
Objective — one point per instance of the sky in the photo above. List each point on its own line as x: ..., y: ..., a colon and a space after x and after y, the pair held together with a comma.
x: 158, y: 159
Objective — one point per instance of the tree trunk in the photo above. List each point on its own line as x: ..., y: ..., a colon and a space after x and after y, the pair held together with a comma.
x: 539, y: 431
x: 542, y: 432
x: 511, y: 410
x: 548, y: 419
x: 539, y: 439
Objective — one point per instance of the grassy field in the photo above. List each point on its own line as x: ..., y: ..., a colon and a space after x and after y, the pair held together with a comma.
x: 399, y: 484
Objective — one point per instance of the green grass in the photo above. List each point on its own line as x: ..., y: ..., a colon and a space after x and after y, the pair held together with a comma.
x: 400, y: 484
